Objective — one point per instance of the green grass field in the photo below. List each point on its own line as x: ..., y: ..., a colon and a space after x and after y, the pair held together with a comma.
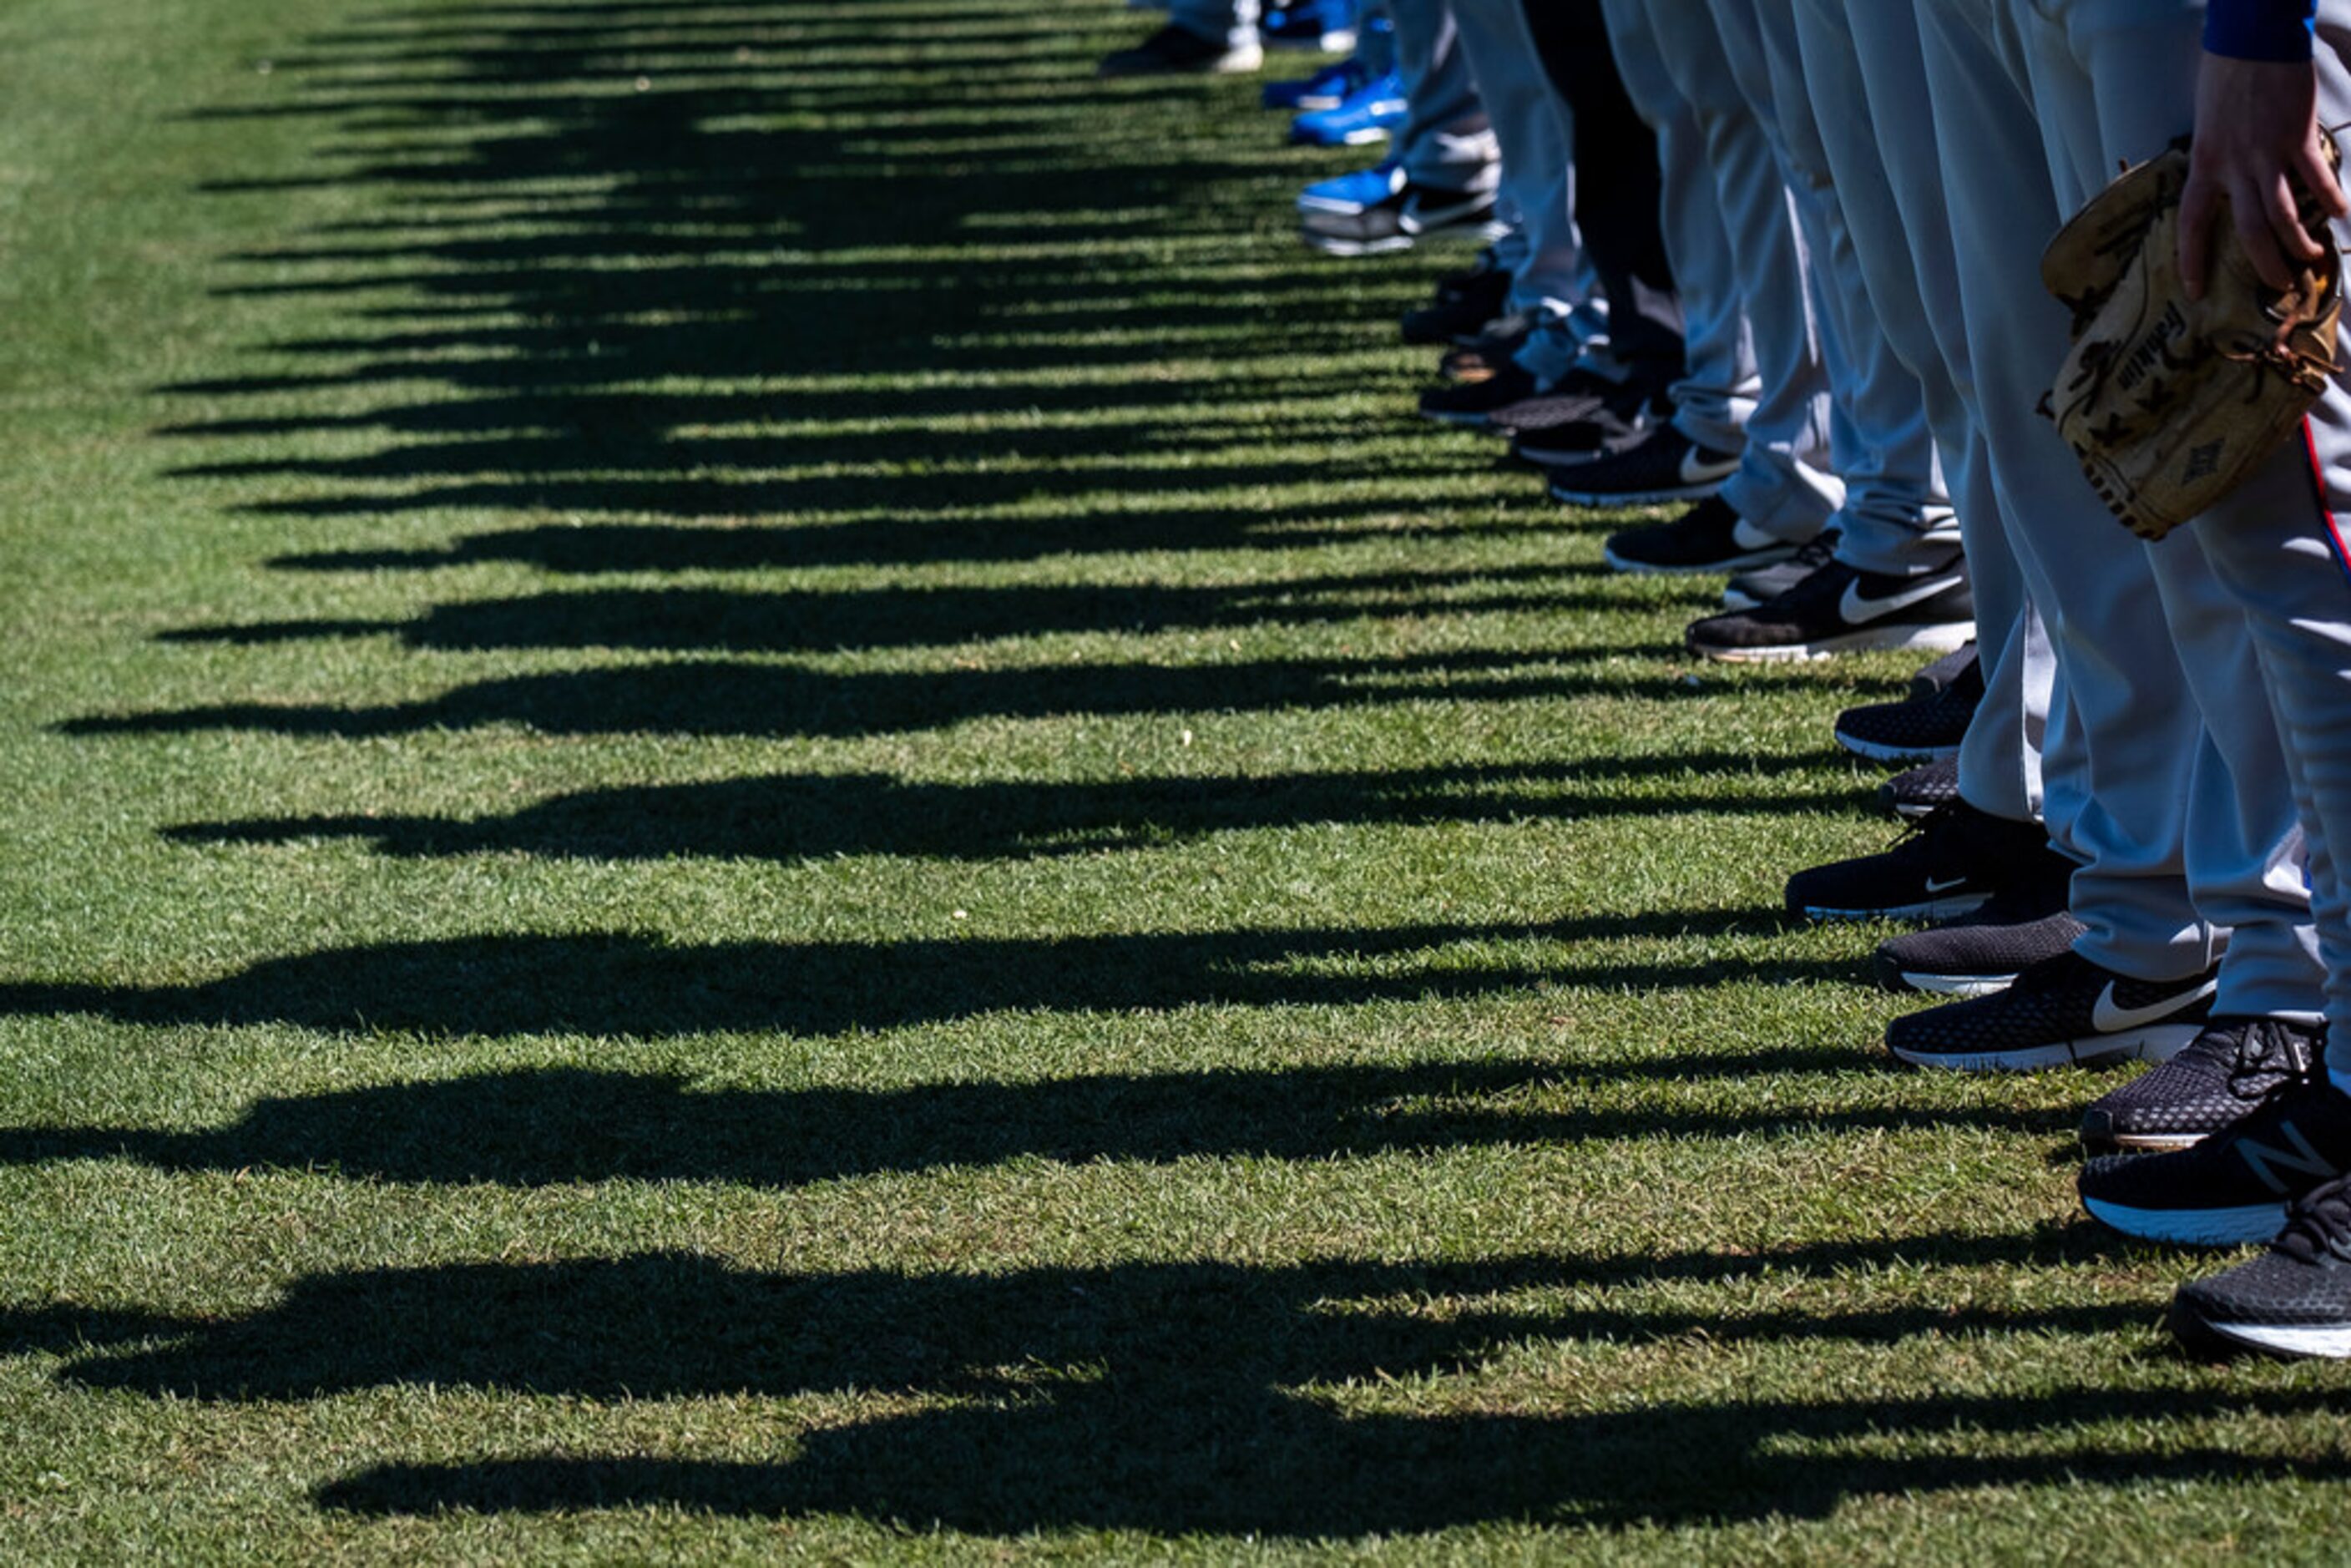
x: 759, y: 799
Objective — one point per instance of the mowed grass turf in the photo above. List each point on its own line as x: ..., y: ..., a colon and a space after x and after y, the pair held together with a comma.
x: 759, y: 799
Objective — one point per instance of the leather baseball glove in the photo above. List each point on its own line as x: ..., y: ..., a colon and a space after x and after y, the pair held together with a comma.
x: 2169, y: 402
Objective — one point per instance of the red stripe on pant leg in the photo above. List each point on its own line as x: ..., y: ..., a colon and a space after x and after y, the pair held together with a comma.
x: 2318, y: 492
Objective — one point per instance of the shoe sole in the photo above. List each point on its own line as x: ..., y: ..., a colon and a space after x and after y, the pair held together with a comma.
x: 1364, y: 137
x: 1330, y: 245
x: 1915, y: 811
x: 2191, y: 1227
x: 2158, y: 1043
x: 1928, y: 983
x: 1326, y: 43
x: 1449, y: 416
x: 2305, y: 1343
x: 1657, y: 497
x: 2141, y: 1143
x: 1907, y: 755
x: 1733, y: 563
x: 1917, y: 639
x: 1927, y: 909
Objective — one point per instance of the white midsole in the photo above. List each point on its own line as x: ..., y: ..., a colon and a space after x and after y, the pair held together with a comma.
x: 1926, y: 909
x: 1957, y: 985
x: 2334, y: 1343
x: 2158, y: 1043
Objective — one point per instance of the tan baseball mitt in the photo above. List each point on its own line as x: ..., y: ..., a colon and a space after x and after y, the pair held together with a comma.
x: 2169, y: 402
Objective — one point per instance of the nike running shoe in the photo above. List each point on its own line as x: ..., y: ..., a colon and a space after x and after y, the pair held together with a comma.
x: 1710, y: 537
x: 1766, y: 583
x: 1919, y: 791
x: 1981, y: 952
x: 2061, y: 1011
x: 1950, y: 863
x: 1663, y: 465
x: 1838, y: 609
x: 1915, y: 731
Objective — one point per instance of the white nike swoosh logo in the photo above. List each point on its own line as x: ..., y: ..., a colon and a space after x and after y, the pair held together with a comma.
x: 1858, y: 607
x: 2109, y: 1019
x: 1945, y: 885
x: 1694, y: 471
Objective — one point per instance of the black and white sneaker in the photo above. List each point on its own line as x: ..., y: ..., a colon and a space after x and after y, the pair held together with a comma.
x: 1662, y: 465
x: 1179, y: 51
x: 1838, y: 609
x: 2061, y: 1011
x: 1915, y: 730
x: 2294, y: 1300
x: 2236, y: 1184
x: 2225, y: 1074
x: 1408, y: 215
x: 1710, y: 537
x: 1978, y: 954
x: 1950, y: 862
x: 1474, y: 402
x: 1926, y: 787
x: 1766, y: 583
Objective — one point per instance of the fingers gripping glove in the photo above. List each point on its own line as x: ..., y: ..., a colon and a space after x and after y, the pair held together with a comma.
x: 2171, y: 401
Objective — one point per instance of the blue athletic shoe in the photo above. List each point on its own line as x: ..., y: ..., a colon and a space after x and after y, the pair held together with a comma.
x: 1328, y: 24
x: 1368, y: 115
x: 1351, y: 194
x: 1326, y: 88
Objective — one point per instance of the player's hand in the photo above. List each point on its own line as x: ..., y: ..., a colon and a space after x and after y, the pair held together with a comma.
x: 2256, y: 148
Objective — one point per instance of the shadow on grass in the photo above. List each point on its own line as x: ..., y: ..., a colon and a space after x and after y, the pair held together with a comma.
x: 707, y: 696
x: 646, y: 986
x: 803, y: 817
x: 537, y: 1128
x: 1190, y: 1396
x: 698, y: 620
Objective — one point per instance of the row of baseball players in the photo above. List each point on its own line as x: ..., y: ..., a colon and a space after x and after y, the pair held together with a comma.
x: 1783, y: 257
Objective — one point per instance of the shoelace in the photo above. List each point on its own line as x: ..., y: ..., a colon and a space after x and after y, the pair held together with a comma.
x: 2269, y: 1053
x: 2318, y: 1222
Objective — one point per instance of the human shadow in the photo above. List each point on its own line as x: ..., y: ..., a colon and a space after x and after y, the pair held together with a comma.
x: 628, y: 984
x: 1194, y: 1396
x: 707, y: 696
x: 793, y: 816
x: 713, y: 619
x: 550, y: 1126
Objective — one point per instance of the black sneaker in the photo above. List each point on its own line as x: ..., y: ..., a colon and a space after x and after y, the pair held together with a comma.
x: 1926, y: 787
x: 2061, y: 1011
x: 1408, y: 215
x: 1710, y: 537
x: 2294, y: 1300
x: 2234, y: 1186
x: 1980, y: 953
x: 1488, y: 352
x: 1950, y: 863
x: 1464, y: 302
x: 1179, y: 51
x: 1472, y: 402
x: 1837, y: 610
x: 1663, y: 465
x: 1765, y: 583
x: 1958, y: 664
x: 1552, y: 438
x: 1915, y: 731
x: 2225, y: 1074
x: 1579, y: 394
